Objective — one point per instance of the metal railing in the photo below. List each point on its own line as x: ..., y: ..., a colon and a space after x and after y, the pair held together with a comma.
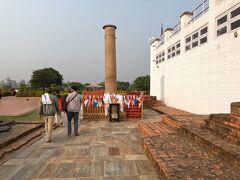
x: 176, y: 29
x: 162, y: 40
x: 200, y: 10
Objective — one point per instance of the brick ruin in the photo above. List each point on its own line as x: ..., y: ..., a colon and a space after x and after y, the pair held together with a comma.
x: 182, y: 145
x: 226, y: 126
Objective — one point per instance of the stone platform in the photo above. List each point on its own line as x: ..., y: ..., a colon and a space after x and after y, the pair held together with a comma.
x: 15, y: 106
x: 102, y: 151
x: 180, y: 148
x: 14, y: 135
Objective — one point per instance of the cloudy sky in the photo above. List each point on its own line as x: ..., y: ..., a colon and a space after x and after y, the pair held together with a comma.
x: 68, y: 36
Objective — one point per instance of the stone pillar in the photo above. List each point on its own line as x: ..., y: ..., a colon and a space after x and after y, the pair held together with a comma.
x: 110, y: 59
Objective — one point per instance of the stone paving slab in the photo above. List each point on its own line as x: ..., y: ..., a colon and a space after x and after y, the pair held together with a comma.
x: 102, y: 150
x: 15, y: 106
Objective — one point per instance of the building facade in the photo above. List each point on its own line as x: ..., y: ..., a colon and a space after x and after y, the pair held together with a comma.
x: 196, y: 65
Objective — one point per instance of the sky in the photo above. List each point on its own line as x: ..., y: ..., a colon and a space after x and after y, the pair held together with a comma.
x: 68, y: 36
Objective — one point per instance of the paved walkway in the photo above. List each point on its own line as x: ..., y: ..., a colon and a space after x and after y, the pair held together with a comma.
x: 171, y: 111
x: 14, y: 106
x: 102, y: 151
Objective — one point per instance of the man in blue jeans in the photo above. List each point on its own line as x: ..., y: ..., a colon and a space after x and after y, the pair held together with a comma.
x: 73, y: 103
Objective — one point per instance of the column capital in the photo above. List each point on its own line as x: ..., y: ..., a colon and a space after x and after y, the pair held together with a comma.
x: 109, y: 25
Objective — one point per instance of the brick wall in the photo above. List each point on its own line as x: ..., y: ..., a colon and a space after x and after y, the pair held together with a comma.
x: 235, y: 109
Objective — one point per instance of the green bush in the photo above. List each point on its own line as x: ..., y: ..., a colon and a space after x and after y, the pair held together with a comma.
x: 7, y: 93
x: 30, y: 93
x: 64, y: 94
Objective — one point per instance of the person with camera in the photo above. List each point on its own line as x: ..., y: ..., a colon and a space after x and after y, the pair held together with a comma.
x: 73, y: 106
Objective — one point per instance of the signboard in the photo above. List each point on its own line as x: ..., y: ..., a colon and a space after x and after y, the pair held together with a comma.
x: 134, y: 108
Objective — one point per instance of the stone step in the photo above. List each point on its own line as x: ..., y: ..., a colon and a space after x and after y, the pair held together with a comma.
x: 20, y: 142
x: 17, y: 133
x: 176, y: 156
x: 227, y: 151
x: 6, y: 123
x: 156, y: 103
x: 153, y: 129
x: 4, y: 128
x: 224, y: 130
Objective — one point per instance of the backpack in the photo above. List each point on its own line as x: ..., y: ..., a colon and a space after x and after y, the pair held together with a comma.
x: 49, y: 109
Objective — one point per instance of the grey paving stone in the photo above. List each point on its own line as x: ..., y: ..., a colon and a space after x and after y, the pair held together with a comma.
x: 144, y: 167
x: 129, y: 168
x: 49, y: 171
x: 129, y: 177
x: 149, y: 177
x: 97, y: 169
x: 136, y: 157
x: 64, y: 170
x: 8, y: 171
x: 25, y: 172
x: 98, y: 151
x: 113, y: 168
x: 82, y: 170
x: 108, y: 158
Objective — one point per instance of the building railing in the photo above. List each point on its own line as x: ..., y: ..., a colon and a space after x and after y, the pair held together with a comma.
x: 199, y: 11
x: 176, y: 29
x: 162, y: 40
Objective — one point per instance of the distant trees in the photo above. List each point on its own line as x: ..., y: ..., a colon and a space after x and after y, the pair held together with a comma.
x: 122, y: 86
x: 141, y: 83
x: 79, y: 85
x: 45, y: 78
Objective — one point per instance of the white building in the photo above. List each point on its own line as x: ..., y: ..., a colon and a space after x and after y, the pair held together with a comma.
x: 196, y: 65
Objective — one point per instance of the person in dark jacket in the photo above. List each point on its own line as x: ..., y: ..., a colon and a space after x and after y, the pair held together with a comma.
x: 48, y: 107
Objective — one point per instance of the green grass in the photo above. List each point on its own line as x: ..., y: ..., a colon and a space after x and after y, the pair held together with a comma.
x: 29, y: 117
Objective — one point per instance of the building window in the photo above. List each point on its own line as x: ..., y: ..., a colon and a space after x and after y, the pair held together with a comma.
x: 235, y: 24
x: 203, y: 40
x: 222, y: 31
x: 204, y: 31
x: 195, y: 44
x: 222, y: 23
x: 228, y: 21
x: 178, y: 45
x: 188, y: 39
x: 163, y: 56
x: 222, y: 20
x: 174, y: 50
x: 188, y: 47
x: 235, y: 12
x: 197, y: 38
x: 160, y: 57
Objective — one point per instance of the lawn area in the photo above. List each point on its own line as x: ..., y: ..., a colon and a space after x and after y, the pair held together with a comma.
x: 29, y: 117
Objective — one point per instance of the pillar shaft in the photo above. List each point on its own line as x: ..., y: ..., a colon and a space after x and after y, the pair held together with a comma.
x: 110, y: 59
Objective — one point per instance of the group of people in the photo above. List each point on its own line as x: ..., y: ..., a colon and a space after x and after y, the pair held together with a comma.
x: 51, y: 106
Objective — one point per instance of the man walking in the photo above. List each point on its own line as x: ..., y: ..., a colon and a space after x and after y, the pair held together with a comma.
x: 73, y: 103
x: 48, y: 107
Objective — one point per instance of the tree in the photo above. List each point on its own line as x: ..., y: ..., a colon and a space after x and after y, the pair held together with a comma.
x: 45, y: 77
x: 77, y: 84
x: 22, y: 82
x: 141, y: 83
x: 122, y: 86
